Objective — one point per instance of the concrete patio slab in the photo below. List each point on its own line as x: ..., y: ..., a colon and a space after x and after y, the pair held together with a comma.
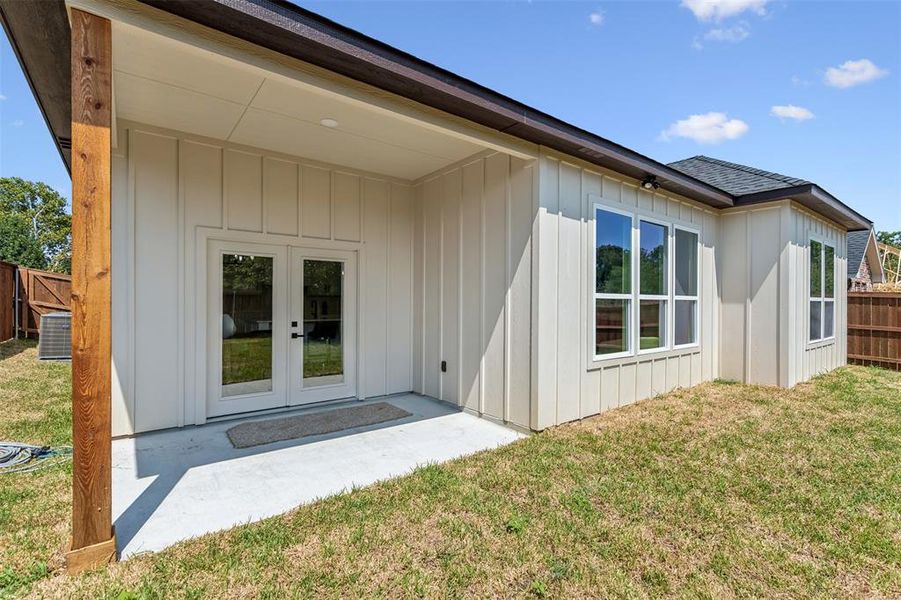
x: 173, y: 485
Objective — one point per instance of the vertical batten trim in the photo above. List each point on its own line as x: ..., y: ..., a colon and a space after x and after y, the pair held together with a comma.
x: 180, y: 284
x: 509, y: 282
x: 482, y: 342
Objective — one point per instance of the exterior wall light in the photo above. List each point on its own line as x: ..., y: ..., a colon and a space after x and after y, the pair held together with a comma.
x: 650, y: 183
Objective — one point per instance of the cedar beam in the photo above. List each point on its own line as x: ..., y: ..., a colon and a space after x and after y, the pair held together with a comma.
x: 93, y: 539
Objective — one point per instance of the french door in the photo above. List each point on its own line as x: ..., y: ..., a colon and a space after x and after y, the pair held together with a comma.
x: 322, y: 326
x: 281, y: 326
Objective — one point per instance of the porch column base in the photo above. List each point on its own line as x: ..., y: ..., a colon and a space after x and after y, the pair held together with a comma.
x: 89, y: 557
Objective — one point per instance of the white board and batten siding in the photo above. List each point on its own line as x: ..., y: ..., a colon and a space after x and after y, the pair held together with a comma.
x: 765, y: 267
x: 569, y: 383
x: 806, y: 359
x: 473, y: 276
x: 167, y: 184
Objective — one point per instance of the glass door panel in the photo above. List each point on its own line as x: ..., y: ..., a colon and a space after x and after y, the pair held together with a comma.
x: 246, y: 324
x: 323, y: 323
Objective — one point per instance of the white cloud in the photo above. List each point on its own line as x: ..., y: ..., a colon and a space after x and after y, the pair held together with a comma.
x: 596, y: 18
x: 710, y: 128
x: 728, y: 34
x: 717, y: 10
x: 853, y: 72
x: 17, y: 123
x: 800, y: 81
x: 790, y: 111
x: 2, y: 97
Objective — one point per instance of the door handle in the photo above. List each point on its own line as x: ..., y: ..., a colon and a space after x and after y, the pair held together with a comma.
x: 294, y: 336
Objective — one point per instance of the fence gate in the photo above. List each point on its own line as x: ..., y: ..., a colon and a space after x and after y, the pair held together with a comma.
x: 874, y: 329
x: 40, y: 292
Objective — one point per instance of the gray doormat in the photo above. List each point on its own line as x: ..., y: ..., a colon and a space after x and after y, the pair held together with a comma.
x: 257, y: 433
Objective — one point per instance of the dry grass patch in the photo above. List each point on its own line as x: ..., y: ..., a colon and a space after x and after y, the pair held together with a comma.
x: 722, y: 490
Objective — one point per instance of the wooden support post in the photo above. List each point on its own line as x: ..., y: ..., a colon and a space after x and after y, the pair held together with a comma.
x: 93, y: 539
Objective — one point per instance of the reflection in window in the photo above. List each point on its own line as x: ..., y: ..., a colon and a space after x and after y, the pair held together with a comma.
x: 613, y: 282
x: 685, y: 311
x: 323, y: 354
x: 613, y: 248
x: 611, y: 326
x: 652, y: 324
x: 653, y: 243
x: 246, y: 324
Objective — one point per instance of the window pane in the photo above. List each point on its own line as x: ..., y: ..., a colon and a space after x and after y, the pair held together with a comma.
x: 829, y: 276
x: 686, y: 263
x: 246, y: 324
x: 611, y: 326
x: 323, y: 352
x: 816, y: 250
x: 652, y: 256
x: 614, y: 253
x: 816, y: 309
x: 685, y: 319
x: 652, y: 324
x: 829, y: 319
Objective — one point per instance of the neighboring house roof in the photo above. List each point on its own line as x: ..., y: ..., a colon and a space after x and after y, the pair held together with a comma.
x: 749, y: 185
x: 290, y: 30
x: 857, y: 247
x: 862, y: 245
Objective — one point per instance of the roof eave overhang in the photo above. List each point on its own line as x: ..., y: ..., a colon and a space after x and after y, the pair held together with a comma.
x: 293, y: 31
x: 816, y: 199
x: 39, y: 35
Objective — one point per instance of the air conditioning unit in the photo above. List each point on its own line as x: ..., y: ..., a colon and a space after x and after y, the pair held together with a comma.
x: 55, y: 340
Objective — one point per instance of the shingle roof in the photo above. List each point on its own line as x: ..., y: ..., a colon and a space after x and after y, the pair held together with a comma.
x: 857, y: 247
x: 736, y: 179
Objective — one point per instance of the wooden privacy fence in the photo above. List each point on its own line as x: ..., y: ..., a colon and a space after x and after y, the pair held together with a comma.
x: 7, y: 301
x: 40, y: 292
x: 874, y: 329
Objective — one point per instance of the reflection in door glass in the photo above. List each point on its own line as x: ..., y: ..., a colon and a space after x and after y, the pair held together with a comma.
x: 246, y: 324
x: 323, y: 358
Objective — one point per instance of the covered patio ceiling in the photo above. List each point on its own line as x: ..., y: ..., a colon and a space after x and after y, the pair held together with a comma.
x: 170, y: 84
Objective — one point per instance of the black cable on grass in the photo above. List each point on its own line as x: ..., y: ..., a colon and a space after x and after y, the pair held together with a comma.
x: 25, y: 458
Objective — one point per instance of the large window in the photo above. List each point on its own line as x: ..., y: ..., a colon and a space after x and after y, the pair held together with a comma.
x: 634, y: 314
x: 822, y: 291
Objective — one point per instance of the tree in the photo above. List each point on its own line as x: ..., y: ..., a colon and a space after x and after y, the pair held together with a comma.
x: 891, y: 238
x: 17, y: 245
x: 38, y: 213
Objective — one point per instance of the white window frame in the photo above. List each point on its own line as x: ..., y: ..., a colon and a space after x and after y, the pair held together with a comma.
x: 635, y: 297
x: 822, y: 299
x: 668, y: 268
x: 696, y: 297
x: 633, y: 238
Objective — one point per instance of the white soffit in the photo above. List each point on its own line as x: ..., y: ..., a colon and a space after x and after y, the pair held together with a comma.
x: 169, y: 84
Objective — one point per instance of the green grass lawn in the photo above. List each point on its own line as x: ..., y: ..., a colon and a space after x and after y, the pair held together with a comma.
x: 246, y: 359
x: 250, y: 359
x: 722, y: 490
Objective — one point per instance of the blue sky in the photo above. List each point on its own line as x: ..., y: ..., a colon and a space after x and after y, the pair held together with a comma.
x: 809, y: 89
